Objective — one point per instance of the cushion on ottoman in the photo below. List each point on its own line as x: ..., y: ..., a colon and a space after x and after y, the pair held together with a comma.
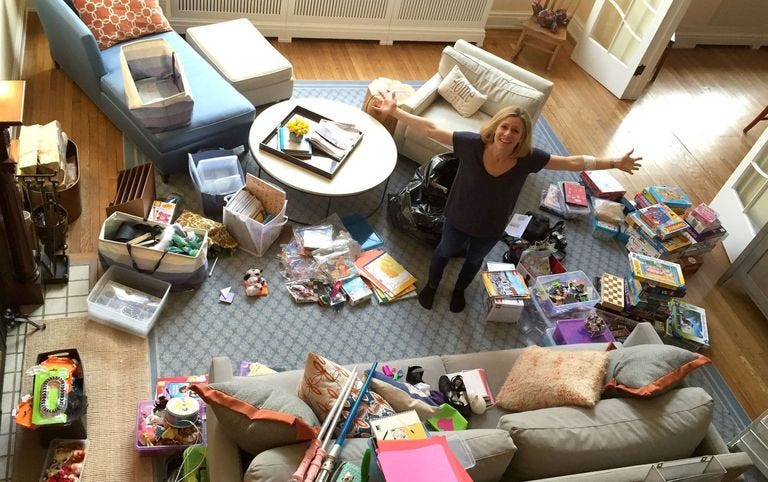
x: 263, y: 75
x: 615, y: 433
x: 492, y: 448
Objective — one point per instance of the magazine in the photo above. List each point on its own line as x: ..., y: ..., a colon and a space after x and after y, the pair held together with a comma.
x: 401, y: 426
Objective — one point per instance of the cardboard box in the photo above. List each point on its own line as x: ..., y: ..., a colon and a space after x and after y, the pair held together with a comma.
x: 500, y: 309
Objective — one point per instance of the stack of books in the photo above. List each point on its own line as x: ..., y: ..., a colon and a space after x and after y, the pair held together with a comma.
x: 299, y: 150
x: 687, y: 326
x: 248, y: 205
x: 645, y: 239
x: 671, y: 196
x: 388, y: 279
x: 662, y: 220
x: 703, y: 219
x: 650, y: 284
x: 602, y: 184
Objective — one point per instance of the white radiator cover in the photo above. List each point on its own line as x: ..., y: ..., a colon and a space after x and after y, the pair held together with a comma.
x: 382, y: 20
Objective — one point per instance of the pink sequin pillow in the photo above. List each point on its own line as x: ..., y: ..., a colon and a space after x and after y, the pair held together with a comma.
x: 114, y: 21
x: 542, y: 378
x: 323, y: 381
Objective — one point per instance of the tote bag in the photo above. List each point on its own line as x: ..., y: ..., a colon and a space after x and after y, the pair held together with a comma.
x: 181, y: 270
x: 252, y: 236
x: 156, y: 88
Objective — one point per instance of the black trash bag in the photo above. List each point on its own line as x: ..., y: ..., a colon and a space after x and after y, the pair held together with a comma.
x: 418, y: 209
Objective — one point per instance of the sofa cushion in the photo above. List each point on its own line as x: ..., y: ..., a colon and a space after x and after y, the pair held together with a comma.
x: 502, y: 89
x: 401, y: 396
x: 543, y: 378
x: 492, y: 449
x: 463, y: 96
x: 114, y: 21
x: 648, y: 370
x: 615, y: 433
x: 257, y: 416
x: 321, y: 384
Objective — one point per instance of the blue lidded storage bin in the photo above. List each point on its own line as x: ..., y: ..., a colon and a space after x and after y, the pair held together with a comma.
x: 215, y: 174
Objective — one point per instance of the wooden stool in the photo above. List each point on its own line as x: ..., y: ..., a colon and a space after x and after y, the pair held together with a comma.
x: 383, y: 84
x: 760, y: 117
x: 541, y: 38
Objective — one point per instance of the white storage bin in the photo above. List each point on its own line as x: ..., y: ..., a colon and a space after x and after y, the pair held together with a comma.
x: 127, y: 300
x: 215, y: 174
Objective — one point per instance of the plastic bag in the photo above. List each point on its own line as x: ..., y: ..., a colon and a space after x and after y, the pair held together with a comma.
x: 608, y: 211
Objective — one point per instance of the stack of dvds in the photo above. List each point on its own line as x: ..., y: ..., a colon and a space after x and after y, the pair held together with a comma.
x: 686, y: 326
x: 651, y: 284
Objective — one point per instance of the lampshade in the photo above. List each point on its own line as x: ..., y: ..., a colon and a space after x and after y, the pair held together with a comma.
x: 11, y: 102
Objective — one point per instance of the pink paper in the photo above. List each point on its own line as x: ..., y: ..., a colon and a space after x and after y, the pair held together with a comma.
x: 445, y: 424
x: 419, y: 461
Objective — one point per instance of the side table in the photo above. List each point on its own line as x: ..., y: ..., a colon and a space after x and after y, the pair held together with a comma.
x: 540, y: 38
x: 383, y: 84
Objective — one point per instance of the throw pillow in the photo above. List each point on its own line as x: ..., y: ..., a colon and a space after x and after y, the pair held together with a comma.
x: 321, y: 384
x: 619, y: 432
x: 402, y: 396
x: 543, y: 377
x: 257, y: 416
x: 114, y: 21
x: 462, y: 95
x: 648, y: 370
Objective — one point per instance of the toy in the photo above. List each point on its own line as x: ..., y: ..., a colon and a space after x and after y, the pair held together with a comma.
x: 254, y: 283
x: 594, y: 325
x: 476, y: 403
x: 612, y: 292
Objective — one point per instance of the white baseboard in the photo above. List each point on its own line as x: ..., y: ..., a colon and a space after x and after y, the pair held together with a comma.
x: 688, y: 40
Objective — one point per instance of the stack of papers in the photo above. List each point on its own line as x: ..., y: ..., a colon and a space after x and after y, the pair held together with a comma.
x: 336, y: 139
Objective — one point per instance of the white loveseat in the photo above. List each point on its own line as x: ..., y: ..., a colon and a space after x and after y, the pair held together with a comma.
x: 503, y: 82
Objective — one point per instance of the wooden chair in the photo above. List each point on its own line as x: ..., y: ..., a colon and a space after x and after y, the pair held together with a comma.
x: 760, y: 117
x: 540, y: 38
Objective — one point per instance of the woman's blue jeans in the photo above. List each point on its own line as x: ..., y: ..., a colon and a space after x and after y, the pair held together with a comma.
x: 453, y: 244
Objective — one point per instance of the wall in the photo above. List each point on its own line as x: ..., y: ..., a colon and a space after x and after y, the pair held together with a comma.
x: 12, y: 27
x: 713, y: 22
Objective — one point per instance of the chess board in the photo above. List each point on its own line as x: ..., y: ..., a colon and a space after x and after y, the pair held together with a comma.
x: 612, y: 292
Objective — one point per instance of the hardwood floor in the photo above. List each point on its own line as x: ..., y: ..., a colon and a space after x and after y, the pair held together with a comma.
x: 687, y: 126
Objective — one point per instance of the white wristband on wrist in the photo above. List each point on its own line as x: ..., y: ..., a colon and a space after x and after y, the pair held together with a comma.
x: 590, y: 163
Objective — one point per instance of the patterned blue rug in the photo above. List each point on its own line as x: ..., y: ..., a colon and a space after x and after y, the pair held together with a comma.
x: 277, y: 332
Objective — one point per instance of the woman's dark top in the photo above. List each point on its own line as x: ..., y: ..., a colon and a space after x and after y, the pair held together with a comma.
x: 480, y: 204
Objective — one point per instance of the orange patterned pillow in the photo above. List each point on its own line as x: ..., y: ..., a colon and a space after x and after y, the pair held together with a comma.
x: 323, y: 381
x: 114, y: 21
x: 542, y: 378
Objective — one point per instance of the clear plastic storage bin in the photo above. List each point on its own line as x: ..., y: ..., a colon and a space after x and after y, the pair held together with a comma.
x: 553, y: 311
x: 128, y: 300
x: 215, y: 174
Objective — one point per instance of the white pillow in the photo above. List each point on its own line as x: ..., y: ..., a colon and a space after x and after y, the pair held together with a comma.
x: 462, y: 95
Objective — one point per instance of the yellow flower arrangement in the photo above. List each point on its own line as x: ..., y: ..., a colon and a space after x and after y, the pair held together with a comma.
x: 298, y: 126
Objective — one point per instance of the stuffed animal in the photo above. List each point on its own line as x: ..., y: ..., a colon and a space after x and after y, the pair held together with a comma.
x: 476, y: 403
x: 254, y: 283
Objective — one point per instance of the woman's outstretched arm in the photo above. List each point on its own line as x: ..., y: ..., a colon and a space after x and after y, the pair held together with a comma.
x: 386, y: 104
x: 626, y: 163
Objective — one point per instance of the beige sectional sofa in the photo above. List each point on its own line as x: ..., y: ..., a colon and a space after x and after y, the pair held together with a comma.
x: 618, y: 440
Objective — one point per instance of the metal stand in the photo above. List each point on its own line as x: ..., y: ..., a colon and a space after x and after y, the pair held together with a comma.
x: 51, y: 224
x: 11, y: 320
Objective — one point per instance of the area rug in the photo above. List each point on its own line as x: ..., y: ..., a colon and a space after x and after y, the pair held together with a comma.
x: 116, y: 371
x: 279, y: 333
x: 276, y: 331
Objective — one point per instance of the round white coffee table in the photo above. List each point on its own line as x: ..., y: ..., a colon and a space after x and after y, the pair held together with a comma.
x: 370, y: 163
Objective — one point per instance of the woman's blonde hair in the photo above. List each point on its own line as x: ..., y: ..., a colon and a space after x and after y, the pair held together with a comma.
x: 524, y: 146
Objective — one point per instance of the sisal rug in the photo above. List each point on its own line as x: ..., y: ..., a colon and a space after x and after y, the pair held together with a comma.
x: 116, y: 370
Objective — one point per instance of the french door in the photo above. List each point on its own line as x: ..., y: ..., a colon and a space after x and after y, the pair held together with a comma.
x: 624, y: 40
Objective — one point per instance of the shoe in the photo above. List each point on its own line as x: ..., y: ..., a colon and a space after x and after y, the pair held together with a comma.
x: 427, y: 297
x: 457, y: 301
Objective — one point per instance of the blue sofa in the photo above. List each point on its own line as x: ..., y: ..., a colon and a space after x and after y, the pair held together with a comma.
x: 221, y: 117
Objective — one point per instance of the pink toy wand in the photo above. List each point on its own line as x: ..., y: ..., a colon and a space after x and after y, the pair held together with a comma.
x: 330, y: 460
x: 316, y: 448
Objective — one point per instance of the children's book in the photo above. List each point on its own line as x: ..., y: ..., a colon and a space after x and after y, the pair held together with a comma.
x: 356, y: 290
x: 665, y: 274
x: 575, y: 194
x: 662, y: 220
x: 385, y: 271
x: 672, y: 196
x: 689, y: 322
x: 172, y: 387
x: 401, y: 426
x: 475, y: 381
x: 505, y: 284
